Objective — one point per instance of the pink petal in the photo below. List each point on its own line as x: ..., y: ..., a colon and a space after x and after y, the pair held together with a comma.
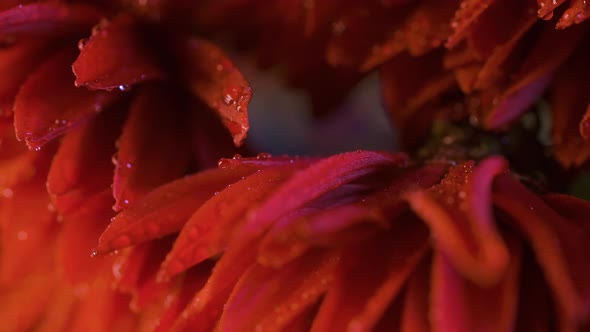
x: 322, y: 177
x: 116, y: 56
x: 214, y: 79
x: 165, y: 209
x: 209, y: 229
x: 49, y: 105
x: 154, y: 147
x: 344, y: 224
x: 459, y: 305
x: 370, y: 276
x: 268, y: 299
x: 48, y: 19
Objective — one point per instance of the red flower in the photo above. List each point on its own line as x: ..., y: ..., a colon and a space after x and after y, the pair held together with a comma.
x: 364, y: 241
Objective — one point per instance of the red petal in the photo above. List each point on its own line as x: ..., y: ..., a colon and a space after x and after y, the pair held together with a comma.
x: 213, y: 78
x: 459, y: 213
x: 165, y: 209
x: 48, y: 19
x: 16, y: 63
x: 82, y: 165
x: 560, y: 245
x: 415, y: 316
x: 370, y: 276
x: 546, y: 8
x: 209, y: 229
x: 465, y: 16
x: 260, y: 300
x: 151, y: 139
x: 116, y: 56
x: 17, y: 164
x: 205, y: 308
x: 578, y: 12
x: 585, y: 125
x: 79, y: 234
x: 458, y: 305
x: 48, y: 104
x: 568, y: 99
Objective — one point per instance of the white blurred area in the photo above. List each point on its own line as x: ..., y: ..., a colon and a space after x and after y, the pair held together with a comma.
x: 281, y: 121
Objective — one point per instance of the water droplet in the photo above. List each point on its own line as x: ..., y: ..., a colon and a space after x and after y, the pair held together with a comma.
x: 237, y: 157
x: 22, y: 235
x: 124, y: 87
x: 82, y: 43
x: 38, y: 148
x: 7, y: 193
x: 263, y: 156
x: 116, y: 269
x: 128, y: 165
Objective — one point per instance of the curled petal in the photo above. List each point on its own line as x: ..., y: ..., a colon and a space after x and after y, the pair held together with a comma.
x: 459, y: 214
x: 49, y: 105
x: 214, y: 79
x: 116, y: 56
x: 458, y: 305
x: 315, y: 181
x: 165, y: 209
x: 48, y: 19
x: 153, y: 148
x: 560, y: 245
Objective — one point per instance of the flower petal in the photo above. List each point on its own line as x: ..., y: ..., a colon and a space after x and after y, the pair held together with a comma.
x: 260, y: 300
x: 48, y: 19
x: 150, y: 141
x: 165, y: 209
x: 49, y: 105
x: 209, y: 229
x: 578, y: 12
x: 459, y: 305
x: 535, y: 74
x: 116, y: 56
x: 320, y: 178
x: 370, y: 276
x: 214, y: 79
x: 81, y: 168
x: 561, y: 246
x: 415, y: 315
x: 16, y: 63
x: 459, y: 215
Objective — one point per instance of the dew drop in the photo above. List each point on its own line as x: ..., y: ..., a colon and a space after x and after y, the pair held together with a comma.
x: 22, y: 235
x: 38, y: 148
x: 124, y: 87
x: 128, y: 165
x: 7, y: 193
x: 82, y: 43
x: 237, y: 157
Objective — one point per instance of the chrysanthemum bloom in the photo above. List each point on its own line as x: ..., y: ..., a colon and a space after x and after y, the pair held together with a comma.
x: 358, y: 241
x: 367, y: 241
